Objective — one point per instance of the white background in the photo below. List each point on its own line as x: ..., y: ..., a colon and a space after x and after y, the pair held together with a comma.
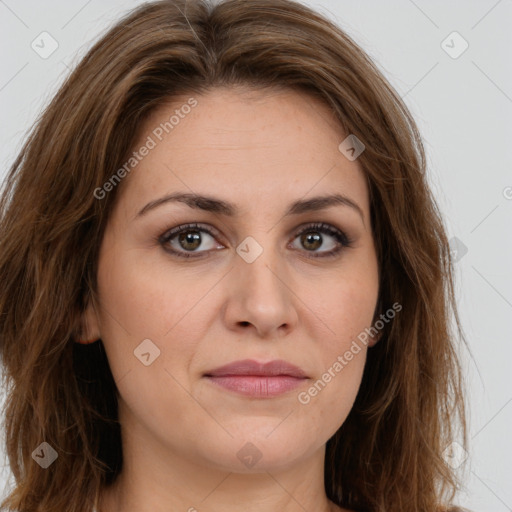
x: 462, y: 106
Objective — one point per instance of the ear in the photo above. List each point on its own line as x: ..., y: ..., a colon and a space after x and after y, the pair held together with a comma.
x: 374, y: 339
x: 376, y: 312
x: 90, y: 329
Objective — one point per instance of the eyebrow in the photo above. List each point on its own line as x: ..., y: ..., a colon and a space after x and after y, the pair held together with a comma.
x: 214, y: 205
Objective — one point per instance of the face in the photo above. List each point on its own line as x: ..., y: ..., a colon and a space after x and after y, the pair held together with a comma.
x: 259, y: 262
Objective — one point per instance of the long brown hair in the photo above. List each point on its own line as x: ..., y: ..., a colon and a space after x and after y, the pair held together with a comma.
x: 388, y: 454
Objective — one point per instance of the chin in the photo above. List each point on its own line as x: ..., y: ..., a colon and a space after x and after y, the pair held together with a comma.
x: 261, y: 447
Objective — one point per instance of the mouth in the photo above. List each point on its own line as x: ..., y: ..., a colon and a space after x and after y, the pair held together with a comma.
x: 258, y: 380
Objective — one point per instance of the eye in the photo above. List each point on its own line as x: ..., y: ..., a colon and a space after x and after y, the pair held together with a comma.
x: 312, y: 237
x: 187, y: 239
x: 192, y: 240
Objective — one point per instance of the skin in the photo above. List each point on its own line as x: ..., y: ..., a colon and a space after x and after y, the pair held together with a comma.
x: 260, y: 151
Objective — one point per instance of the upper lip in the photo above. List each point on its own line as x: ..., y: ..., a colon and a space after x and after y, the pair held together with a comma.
x: 251, y: 367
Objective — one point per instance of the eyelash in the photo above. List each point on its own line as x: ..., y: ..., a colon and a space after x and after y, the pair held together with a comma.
x: 321, y: 227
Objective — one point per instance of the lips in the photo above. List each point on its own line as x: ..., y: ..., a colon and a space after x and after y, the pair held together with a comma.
x: 263, y: 380
x: 250, y: 367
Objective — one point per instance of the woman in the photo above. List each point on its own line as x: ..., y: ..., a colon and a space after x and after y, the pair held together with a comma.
x: 226, y: 284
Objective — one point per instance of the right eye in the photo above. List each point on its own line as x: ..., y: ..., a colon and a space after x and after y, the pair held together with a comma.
x: 185, y: 240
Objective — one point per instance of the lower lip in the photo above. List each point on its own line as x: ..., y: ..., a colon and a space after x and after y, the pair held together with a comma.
x: 258, y: 386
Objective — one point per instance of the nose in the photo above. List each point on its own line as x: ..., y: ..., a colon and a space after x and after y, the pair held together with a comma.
x: 260, y: 297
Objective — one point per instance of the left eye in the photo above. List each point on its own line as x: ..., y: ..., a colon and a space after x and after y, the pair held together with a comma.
x: 312, y: 237
x: 185, y: 241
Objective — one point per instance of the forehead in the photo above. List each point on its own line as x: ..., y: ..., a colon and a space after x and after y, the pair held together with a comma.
x: 246, y: 145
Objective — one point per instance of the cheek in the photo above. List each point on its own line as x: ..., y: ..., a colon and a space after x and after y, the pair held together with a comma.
x: 353, y: 310
x: 346, y: 305
x: 347, y: 308
x: 137, y: 306
x: 143, y: 297
x: 141, y: 301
